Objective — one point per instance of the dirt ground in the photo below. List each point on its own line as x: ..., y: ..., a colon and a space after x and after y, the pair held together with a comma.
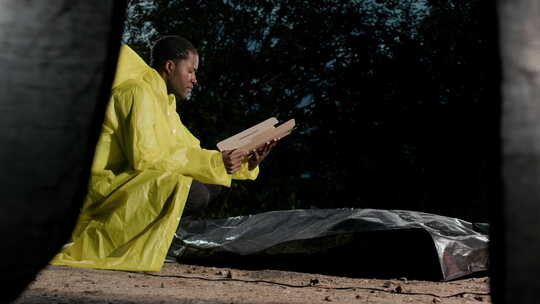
x: 177, y: 283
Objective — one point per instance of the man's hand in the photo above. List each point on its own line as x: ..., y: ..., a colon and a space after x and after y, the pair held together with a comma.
x: 257, y: 155
x: 233, y: 159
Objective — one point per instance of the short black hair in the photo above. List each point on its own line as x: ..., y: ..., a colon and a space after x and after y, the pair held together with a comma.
x: 170, y: 48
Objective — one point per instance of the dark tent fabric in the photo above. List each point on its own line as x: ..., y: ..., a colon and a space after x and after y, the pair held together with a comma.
x: 350, y: 242
x: 58, y: 62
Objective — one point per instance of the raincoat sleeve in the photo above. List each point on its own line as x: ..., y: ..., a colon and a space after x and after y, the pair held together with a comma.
x: 245, y: 173
x: 145, y: 149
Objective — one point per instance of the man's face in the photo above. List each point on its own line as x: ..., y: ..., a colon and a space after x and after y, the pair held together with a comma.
x: 181, y: 76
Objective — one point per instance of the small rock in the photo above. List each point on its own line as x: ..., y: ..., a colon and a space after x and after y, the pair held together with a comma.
x: 436, y: 300
x: 313, y: 282
x: 479, y: 298
x: 225, y: 273
x: 327, y: 299
x: 398, y: 289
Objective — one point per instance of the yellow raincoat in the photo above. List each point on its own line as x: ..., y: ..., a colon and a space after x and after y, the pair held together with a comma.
x: 143, y: 166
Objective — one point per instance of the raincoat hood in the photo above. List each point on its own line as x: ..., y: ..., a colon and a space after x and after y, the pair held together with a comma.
x: 130, y: 66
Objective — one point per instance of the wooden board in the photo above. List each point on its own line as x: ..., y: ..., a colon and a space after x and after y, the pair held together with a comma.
x: 257, y: 135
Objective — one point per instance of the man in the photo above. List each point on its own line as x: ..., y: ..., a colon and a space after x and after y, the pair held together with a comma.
x: 145, y: 163
x: 180, y: 78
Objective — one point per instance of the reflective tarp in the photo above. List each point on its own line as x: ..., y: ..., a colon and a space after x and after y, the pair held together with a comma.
x: 349, y: 242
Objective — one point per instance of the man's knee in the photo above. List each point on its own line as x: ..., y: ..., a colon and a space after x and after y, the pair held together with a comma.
x: 198, y: 198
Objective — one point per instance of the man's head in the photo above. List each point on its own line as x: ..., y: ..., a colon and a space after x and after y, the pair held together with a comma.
x: 177, y: 61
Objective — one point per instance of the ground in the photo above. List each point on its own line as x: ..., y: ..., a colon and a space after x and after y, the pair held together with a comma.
x: 177, y: 283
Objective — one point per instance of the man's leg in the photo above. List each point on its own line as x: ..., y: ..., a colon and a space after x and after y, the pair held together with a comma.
x: 199, y: 197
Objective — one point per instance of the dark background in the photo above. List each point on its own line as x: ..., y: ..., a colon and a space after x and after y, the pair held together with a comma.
x: 397, y: 102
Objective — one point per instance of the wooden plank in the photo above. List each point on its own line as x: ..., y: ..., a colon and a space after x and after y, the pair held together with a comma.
x: 257, y: 135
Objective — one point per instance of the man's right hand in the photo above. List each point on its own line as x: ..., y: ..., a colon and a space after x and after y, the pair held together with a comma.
x: 233, y: 159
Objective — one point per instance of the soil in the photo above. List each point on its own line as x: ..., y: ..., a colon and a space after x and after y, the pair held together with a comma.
x: 177, y: 283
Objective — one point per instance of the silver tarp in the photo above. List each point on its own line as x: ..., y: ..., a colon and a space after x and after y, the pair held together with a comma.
x: 352, y: 240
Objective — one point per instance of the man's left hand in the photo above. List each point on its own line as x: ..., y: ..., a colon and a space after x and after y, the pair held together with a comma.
x: 257, y: 155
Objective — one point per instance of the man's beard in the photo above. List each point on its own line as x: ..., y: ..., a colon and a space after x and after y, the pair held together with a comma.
x: 179, y: 97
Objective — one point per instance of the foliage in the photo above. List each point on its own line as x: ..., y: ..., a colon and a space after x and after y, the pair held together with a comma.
x: 393, y: 99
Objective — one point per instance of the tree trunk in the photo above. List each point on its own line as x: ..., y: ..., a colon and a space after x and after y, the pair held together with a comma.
x: 516, y: 250
x: 57, y: 61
